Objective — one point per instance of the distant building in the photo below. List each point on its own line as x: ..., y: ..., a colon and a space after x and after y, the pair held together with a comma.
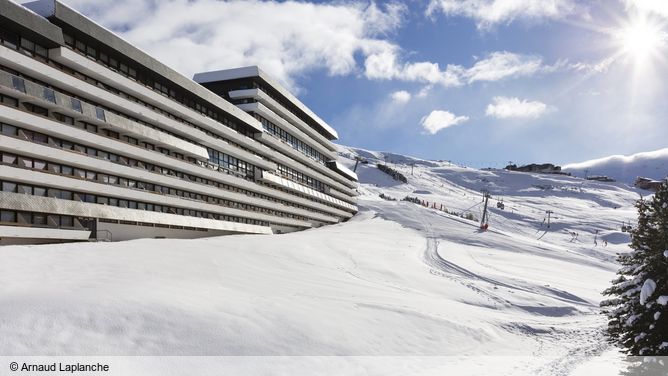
x: 98, y: 140
x: 648, y: 184
x: 545, y: 168
x: 602, y: 178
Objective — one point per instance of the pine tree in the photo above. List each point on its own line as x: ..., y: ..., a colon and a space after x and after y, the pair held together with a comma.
x: 637, y: 309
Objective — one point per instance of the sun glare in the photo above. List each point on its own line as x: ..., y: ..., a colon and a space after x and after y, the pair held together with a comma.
x: 642, y: 39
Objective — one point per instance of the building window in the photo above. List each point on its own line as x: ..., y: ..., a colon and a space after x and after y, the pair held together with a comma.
x: 19, y: 84
x: 8, y: 130
x: 99, y: 113
x: 76, y: 105
x: 8, y: 216
x: 9, y: 39
x: 49, y: 95
x: 39, y: 219
x: 8, y: 187
x: 36, y: 109
x: 9, y: 101
x: 66, y: 221
x: 63, y: 118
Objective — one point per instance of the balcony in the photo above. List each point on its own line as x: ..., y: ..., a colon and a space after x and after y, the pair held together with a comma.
x: 30, y: 92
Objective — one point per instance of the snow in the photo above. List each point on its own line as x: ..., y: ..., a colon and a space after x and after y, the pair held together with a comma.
x: 657, y: 315
x: 665, y: 253
x: 663, y: 299
x: 653, y: 165
x: 398, y: 279
x: 647, y: 290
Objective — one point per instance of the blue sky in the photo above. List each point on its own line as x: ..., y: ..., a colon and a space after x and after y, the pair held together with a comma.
x: 480, y: 82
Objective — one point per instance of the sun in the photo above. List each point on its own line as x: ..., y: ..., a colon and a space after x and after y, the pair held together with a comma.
x: 642, y: 39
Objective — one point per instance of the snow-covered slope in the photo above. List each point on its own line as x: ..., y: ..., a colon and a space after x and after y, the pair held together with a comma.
x: 397, y: 279
x: 623, y: 168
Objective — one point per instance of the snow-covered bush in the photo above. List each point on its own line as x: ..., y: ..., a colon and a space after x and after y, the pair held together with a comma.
x: 638, y: 305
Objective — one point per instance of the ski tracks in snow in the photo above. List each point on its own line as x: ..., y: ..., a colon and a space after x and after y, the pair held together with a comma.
x: 563, y: 349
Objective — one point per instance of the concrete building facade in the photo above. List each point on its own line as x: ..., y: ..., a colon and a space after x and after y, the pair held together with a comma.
x: 98, y: 140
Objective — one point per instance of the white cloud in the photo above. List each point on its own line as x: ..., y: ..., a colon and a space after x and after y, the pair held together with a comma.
x: 494, y: 67
x: 288, y: 39
x: 401, y: 96
x: 487, y: 13
x: 505, y: 107
x: 659, y: 7
x: 501, y: 65
x: 438, y: 120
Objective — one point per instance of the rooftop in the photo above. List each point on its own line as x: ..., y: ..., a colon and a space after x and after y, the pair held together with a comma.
x: 255, y: 71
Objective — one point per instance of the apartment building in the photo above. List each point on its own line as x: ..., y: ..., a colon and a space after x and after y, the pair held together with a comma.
x: 98, y: 140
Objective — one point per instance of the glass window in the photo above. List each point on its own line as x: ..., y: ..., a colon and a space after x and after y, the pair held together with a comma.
x: 36, y: 109
x: 24, y: 189
x: 39, y: 165
x: 63, y: 118
x: 7, y: 216
x: 9, y: 130
x: 25, y: 162
x: 39, y: 191
x: 9, y: 101
x: 40, y: 137
x: 53, y: 220
x: 38, y: 219
x: 66, y: 221
x: 27, y: 45
x: 76, y: 105
x: 19, y: 84
x: 9, y: 39
x: 99, y: 113
x: 66, y: 170
x: 90, y: 51
x: 9, y: 158
x: 49, y: 95
x: 69, y: 39
x: 80, y: 46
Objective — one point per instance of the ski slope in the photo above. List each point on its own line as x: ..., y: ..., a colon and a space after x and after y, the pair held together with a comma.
x: 399, y: 282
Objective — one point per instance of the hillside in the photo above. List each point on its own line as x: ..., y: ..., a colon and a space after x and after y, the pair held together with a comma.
x: 408, y: 287
x: 623, y: 168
